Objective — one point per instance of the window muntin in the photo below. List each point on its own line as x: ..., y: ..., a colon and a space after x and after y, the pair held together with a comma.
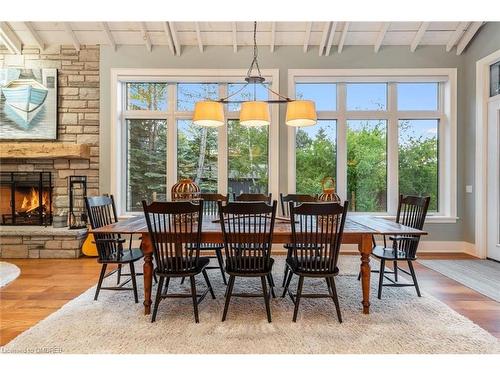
x: 248, y: 158
x: 316, y: 155
x: 146, y: 162
x: 148, y: 96
x: 197, y: 154
x: 190, y: 93
x: 367, y: 165
x: 324, y: 95
x: 366, y: 96
x: 418, y: 159
x: 417, y: 96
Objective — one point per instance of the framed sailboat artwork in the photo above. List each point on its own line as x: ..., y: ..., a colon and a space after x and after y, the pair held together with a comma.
x: 28, y: 104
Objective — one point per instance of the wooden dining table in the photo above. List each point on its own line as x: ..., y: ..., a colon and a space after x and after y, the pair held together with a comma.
x: 358, y: 230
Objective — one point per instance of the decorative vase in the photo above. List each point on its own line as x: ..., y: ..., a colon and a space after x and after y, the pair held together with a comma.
x: 185, y: 190
x: 329, y: 194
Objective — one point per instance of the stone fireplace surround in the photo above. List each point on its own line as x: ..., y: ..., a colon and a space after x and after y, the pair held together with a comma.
x: 78, y: 123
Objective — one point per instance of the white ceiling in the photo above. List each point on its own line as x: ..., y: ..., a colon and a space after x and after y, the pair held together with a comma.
x: 326, y: 37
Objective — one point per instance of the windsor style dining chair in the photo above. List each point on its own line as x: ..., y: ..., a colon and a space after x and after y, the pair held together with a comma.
x: 102, y: 212
x: 247, y: 229
x: 253, y: 197
x: 317, y: 230
x: 285, y: 202
x: 211, y: 208
x: 173, y: 229
x: 412, y: 211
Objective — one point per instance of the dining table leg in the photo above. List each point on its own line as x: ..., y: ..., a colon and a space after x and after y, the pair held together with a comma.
x: 365, y: 248
x: 147, y: 249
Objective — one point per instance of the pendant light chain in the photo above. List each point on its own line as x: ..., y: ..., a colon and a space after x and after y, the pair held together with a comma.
x: 255, y: 62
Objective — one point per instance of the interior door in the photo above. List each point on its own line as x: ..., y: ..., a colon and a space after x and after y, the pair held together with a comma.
x: 493, y: 230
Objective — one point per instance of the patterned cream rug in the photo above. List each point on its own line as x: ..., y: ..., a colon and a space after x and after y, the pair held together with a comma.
x: 8, y: 273
x: 399, y: 323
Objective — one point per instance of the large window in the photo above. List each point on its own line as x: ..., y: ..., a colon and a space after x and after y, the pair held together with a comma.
x: 197, y: 154
x: 316, y: 155
x: 248, y: 164
x: 146, y: 161
x: 367, y: 165
x: 160, y: 144
x: 379, y: 136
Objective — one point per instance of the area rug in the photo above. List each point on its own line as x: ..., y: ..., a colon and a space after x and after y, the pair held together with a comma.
x: 481, y: 275
x: 399, y: 323
x: 8, y: 273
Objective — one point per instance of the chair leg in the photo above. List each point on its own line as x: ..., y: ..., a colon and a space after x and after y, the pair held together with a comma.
x: 287, y: 284
x: 329, y: 286
x: 228, y: 296
x: 414, y: 277
x: 266, y: 297
x: 182, y: 280
x: 297, y: 298
x: 119, y: 273
x: 99, y: 283
x: 134, y: 281
x: 335, y: 298
x: 395, y: 266
x: 285, y: 275
x: 271, y: 284
x: 381, y: 278
x: 157, y: 298
x: 195, y: 298
x: 207, y: 280
x: 167, y: 282
x: 218, y: 252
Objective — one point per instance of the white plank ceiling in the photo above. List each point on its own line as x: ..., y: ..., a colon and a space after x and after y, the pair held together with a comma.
x: 327, y: 37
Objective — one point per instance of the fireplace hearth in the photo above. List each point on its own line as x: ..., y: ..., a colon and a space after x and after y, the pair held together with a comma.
x: 26, y: 198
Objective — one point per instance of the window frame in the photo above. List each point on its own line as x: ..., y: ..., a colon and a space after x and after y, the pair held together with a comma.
x: 119, y: 115
x: 446, y: 114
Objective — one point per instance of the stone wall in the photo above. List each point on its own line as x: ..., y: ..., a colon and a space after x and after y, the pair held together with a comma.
x: 29, y: 242
x: 78, y: 121
x: 78, y: 108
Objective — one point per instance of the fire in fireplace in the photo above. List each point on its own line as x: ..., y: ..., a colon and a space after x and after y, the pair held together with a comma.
x: 26, y: 198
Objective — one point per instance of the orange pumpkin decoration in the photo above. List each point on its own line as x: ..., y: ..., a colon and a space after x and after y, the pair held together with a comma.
x: 329, y: 194
x: 185, y: 190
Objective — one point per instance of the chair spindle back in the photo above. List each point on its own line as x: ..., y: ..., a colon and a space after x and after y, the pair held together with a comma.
x: 253, y: 197
x: 247, y: 228
x: 296, y: 199
x: 412, y: 211
x: 172, y: 226
x: 317, y: 230
x: 210, y: 206
x: 101, y: 211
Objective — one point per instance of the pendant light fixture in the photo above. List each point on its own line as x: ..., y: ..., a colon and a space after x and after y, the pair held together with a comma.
x: 255, y: 112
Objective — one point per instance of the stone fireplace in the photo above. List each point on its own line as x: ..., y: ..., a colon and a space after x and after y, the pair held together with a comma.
x: 26, y: 212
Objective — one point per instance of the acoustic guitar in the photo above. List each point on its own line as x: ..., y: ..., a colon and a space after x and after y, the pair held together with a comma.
x: 89, y: 248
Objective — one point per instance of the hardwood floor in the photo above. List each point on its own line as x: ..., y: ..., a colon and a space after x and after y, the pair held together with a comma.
x: 45, y: 285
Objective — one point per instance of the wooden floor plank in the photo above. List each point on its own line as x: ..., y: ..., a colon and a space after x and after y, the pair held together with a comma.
x: 45, y: 285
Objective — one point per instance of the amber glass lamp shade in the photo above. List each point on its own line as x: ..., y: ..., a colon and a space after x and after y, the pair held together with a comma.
x: 209, y: 114
x: 254, y: 114
x: 301, y: 113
